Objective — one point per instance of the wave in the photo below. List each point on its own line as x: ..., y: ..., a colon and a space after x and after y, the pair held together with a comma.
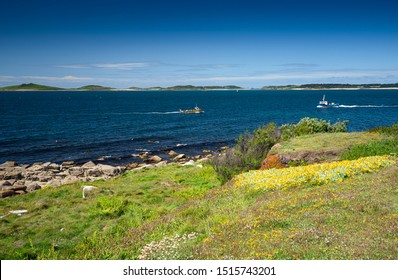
x: 368, y: 106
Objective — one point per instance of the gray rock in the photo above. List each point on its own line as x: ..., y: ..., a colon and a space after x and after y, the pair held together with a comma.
x: 33, y: 187
x: 172, y: 153
x: 162, y: 163
x: 6, y: 183
x: 155, y: 159
x: 13, y: 174
x: 8, y: 164
x: 89, y: 164
x: 68, y: 163
x: 109, y: 170
x: 54, y: 166
x: 76, y: 171
x: 179, y: 157
x: 5, y: 193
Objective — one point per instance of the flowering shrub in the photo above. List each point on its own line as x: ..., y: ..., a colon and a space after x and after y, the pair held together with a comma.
x: 168, y: 248
x: 315, y: 174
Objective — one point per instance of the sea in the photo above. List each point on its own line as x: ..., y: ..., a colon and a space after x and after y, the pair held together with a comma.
x: 114, y: 127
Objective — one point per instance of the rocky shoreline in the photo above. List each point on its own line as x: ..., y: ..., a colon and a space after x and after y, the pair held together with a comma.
x: 18, y: 179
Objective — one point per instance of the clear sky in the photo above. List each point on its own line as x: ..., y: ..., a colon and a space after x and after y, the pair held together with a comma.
x: 172, y: 42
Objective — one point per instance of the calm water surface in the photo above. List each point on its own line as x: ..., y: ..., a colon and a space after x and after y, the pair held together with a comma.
x: 82, y: 126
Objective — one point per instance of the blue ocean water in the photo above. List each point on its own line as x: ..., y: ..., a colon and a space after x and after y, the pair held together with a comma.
x: 118, y: 125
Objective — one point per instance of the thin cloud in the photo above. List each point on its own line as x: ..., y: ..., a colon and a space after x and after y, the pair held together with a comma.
x: 109, y: 66
x: 299, y: 65
x: 331, y: 74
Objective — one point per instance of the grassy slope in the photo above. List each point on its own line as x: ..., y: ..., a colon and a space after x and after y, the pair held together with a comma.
x: 353, y: 219
x: 325, y: 142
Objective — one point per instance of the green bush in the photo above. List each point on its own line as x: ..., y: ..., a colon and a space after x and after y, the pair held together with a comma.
x: 248, y: 153
x: 110, y: 206
x: 311, y: 126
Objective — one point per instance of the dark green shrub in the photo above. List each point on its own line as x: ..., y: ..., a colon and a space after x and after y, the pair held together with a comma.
x: 250, y: 150
x: 311, y: 126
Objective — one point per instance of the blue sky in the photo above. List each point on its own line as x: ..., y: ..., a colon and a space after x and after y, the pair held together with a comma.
x: 163, y: 43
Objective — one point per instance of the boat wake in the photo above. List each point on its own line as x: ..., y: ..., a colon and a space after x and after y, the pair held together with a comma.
x: 156, y: 113
x: 368, y: 106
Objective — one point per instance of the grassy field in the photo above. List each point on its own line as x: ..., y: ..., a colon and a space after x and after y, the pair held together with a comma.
x: 343, y: 210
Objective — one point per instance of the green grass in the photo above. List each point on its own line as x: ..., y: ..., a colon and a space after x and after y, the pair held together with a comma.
x: 325, y: 142
x: 376, y: 148
x: 59, y: 221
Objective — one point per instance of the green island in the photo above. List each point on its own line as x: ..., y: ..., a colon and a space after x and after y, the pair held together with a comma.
x: 30, y: 87
x: 320, y: 193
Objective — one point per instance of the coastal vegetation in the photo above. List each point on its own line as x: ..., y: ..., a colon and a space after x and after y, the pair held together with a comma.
x: 327, y: 209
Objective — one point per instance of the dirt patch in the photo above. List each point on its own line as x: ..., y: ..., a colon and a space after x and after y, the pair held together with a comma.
x: 310, y: 156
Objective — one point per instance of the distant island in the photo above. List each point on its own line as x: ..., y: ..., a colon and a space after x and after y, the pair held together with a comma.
x: 332, y: 86
x: 28, y: 87
x: 38, y: 87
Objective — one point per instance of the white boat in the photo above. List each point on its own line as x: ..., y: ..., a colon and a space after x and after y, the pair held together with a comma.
x: 196, y: 110
x: 326, y: 104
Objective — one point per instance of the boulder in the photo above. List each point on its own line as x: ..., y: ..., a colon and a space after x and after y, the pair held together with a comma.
x: 15, y: 188
x: 143, y: 155
x: 89, y: 164
x: 154, y: 159
x: 70, y: 180
x: 172, y: 153
x: 145, y: 166
x: 33, y: 187
x: 8, y: 164
x: 93, y: 172
x: 13, y: 174
x: 6, y: 183
x: 54, y: 183
x: 53, y: 166
x: 189, y: 163
x: 76, y: 171
x: 179, y: 157
x: 109, y: 170
x: 5, y: 193
x: 162, y: 163
x: 36, y: 168
x: 132, y: 165
x: 68, y: 163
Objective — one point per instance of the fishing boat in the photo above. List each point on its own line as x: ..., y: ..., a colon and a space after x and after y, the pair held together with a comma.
x: 326, y: 104
x: 196, y: 110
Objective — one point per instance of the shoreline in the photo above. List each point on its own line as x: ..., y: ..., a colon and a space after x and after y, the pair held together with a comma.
x: 18, y: 179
